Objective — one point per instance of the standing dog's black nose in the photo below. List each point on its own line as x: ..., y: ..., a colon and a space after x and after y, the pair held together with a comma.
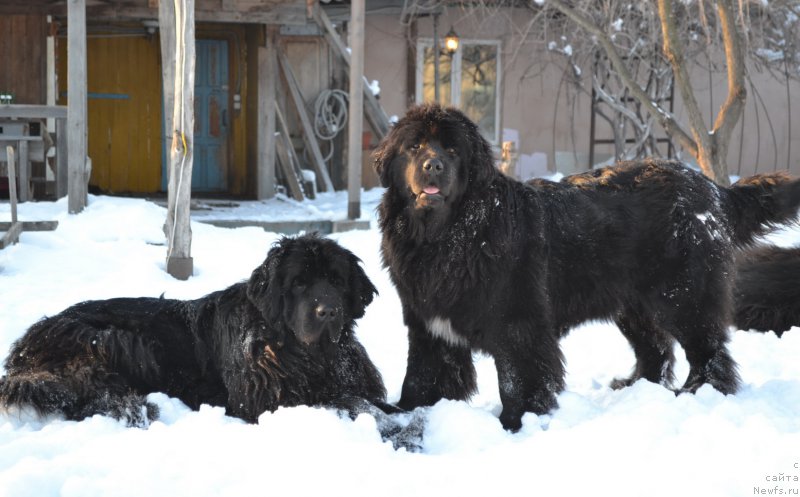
x: 325, y: 312
x: 433, y: 165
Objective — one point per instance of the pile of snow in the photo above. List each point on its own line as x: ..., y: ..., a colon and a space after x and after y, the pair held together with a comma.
x: 642, y: 440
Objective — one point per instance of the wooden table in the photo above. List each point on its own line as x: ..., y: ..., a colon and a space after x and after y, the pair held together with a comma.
x: 16, y: 124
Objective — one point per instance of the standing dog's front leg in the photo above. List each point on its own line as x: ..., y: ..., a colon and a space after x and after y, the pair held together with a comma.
x: 436, y: 369
x: 530, y: 373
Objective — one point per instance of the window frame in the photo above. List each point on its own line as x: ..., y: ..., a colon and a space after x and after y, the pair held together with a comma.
x: 455, y: 80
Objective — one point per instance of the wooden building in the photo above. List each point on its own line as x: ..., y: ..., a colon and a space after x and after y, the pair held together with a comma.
x: 127, y: 139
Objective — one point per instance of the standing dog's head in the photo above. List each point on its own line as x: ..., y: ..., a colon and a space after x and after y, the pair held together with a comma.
x: 312, y: 288
x: 432, y: 156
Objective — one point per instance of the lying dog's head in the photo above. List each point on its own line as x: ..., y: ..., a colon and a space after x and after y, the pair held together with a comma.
x: 310, y: 287
x: 432, y: 156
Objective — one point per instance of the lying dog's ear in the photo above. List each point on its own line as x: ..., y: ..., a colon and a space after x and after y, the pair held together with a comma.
x: 362, y: 291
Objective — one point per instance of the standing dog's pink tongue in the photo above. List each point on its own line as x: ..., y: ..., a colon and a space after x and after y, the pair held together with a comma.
x: 430, y: 190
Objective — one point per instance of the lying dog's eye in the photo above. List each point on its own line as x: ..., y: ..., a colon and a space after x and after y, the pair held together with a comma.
x: 451, y: 151
x: 299, y: 285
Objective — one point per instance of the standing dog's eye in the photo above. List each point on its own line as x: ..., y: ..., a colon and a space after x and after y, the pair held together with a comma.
x: 415, y: 146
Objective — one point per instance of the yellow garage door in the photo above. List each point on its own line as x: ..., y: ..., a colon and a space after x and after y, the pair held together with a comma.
x: 124, y: 83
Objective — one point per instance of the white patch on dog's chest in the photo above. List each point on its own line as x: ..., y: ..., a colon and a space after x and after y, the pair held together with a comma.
x: 443, y: 329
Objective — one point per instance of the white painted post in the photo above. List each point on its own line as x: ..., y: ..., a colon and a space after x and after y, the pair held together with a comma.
x: 356, y: 109
x: 77, y: 137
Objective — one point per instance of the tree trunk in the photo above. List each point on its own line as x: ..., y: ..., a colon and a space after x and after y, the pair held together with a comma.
x: 711, y: 147
x: 177, y: 227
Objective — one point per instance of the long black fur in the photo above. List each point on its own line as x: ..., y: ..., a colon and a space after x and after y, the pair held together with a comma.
x: 767, y: 290
x: 484, y: 262
x: 239, y: 348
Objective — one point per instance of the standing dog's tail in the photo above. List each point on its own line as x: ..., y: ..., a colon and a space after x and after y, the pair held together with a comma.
x: 760, y: 203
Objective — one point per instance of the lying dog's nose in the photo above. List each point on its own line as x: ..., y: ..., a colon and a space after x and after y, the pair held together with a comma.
x: 325, y: 312
x: 433, y: 165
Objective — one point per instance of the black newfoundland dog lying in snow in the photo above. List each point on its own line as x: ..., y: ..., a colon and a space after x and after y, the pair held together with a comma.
x: 767, y: 290
x: 282, y: 338
x: 481, y: 261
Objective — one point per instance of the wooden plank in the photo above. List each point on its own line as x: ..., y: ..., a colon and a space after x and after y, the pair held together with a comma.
x: 24, y: 172
x: 318, y: 162
x: 267, y: 88
x: 19, y: 111
x: 30, y: 225
x: 61, y: 158
x: 77, y: 190
x: 181, y: 157
x: 373, y: 111
x: 356, y: 109
x: 11, y: 236
x: 288, y: 161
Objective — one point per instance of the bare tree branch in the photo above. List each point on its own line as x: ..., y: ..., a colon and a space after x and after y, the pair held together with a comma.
x: 665, y: 119
x: 673, y: 51
x: 731, y: 111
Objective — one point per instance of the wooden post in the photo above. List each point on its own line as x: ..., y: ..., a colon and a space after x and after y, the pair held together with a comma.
x: 77, y: 106
x: 356, y: 109
x: 180, y: 19
x: 62, y: 177
x: 267, y: 90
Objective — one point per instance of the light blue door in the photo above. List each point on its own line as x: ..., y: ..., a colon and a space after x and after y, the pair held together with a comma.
x: 210, y: 169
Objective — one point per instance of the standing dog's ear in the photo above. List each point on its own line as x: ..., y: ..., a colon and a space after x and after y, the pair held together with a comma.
x: 383, y: 156
x: 362, y: 291
x: 482, y: 169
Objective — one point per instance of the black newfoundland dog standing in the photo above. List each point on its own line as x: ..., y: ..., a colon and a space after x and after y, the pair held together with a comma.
x: 283, y: 338
x: 481, y: 261
x: 767, y: 291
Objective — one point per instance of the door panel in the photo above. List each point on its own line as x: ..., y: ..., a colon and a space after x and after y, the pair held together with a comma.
x: 210, y: 167
x: 124, y: 111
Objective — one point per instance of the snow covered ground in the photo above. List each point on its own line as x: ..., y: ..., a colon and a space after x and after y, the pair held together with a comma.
x: 639, y: 441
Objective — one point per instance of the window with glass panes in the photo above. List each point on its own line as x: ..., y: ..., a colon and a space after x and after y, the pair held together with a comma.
x: 469, y: 80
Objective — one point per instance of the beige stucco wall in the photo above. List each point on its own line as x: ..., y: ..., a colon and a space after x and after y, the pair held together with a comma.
x: 553, y: 119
